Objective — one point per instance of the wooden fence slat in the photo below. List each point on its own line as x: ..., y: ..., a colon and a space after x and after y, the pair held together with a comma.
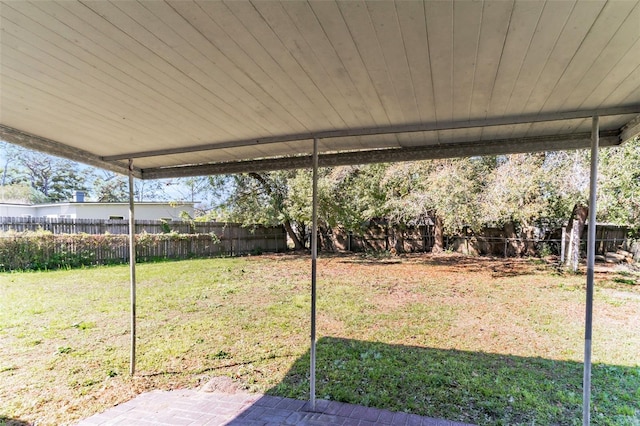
x: 109, y: 243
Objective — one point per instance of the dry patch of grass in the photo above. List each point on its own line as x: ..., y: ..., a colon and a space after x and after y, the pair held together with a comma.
x: 445, y: 336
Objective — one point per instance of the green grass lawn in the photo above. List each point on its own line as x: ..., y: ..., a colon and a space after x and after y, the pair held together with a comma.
x: 470, y: 339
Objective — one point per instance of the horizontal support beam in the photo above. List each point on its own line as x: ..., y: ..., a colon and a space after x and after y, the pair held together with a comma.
x: 370, y: 131
x: 630, y: 130
x: 466, y: 149
x: 37, y: 143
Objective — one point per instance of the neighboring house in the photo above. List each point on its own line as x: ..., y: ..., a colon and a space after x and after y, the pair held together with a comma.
x: 80, y: 209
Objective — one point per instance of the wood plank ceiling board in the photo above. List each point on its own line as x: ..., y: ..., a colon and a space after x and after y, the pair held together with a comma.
x: 394, y: 52
x: 190, y: 68
x: 620, y: 83
x: 466, y: 37
x: 613, y: 17
x: 17, y: 64
x: 439, y: 18
x: 339, y: 34
x: 177, y: 83
x: 413, y: 26
x: 59, y: 89
x: 173, y: 92
x: 523, y: 21
x: 241, y: 53
x: 224, y: 83
x: 553, y: 20
x: 314, y: 53
x: 572, y: 34
x: 493, y: 32
x: 267, y: 33
x: 87, y: 75
x: 362, y: 30
x: 617, y: 47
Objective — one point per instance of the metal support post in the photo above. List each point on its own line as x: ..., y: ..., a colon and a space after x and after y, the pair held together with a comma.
x: 591, y: 255
x: 132, y: 269
x: 563, y: 244
x: 314, y: 257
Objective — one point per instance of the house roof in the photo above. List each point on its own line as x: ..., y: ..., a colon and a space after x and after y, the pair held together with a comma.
x: 97, y: 203
x: 189, y: 88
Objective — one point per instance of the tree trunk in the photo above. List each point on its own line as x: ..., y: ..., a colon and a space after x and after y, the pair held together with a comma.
x: 325, y: 242
x: 512, y: 244
x: 438, y: 231
x: 529, y: 245
x: 297, y: 244
x: 574, y: 229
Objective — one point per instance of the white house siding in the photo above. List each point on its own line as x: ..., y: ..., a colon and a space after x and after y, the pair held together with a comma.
x: 143, y: 211
x: 16, y: 210
x: 88, y: 210
x: 55, y: 210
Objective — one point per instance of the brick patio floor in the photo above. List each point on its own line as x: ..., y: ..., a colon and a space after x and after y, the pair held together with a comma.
x: 191, y: 407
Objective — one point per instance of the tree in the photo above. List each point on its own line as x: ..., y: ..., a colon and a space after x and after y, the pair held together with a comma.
x: 517, y: 193
x: 21, y: 193
x: 149, y: 190
x: 446, y: 190
x: 452, y: 188
x: 257, y: 198
x: 619, y: 184
x: 109, y: 187
x: 193, y: 189
x: 10, y: 155
x: 56, y: 178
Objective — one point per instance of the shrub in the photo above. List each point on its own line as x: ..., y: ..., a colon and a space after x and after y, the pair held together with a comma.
x: 42, y: 250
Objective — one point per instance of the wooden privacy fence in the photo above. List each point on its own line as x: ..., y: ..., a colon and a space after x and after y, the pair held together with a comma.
x: 45, y: 250
x: 380, y: 238
x: 112, y: 226
x: 490, y: 241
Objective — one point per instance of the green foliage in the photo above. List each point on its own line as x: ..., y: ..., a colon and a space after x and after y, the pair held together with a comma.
x: 42, y: 250
x: 619, y: 193
x: 350, y: 196
x: 254, y: 198
x: 522, y: 189
x: 166, y: 228
x: 109, y: 187
x: 454, y: 186
x: 21, y: 193
x: 448, y: 189
x: 56, y: 178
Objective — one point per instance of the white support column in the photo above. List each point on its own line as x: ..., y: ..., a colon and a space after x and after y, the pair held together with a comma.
x: 314, y: 257
x: 591, y: 256
x: 132, y: 269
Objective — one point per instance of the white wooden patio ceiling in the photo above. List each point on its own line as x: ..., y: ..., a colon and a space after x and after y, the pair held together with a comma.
x: 188, y: 88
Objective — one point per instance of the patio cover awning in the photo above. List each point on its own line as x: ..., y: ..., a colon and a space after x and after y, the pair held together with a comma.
x: 181, y: 88
x: 191, y: 88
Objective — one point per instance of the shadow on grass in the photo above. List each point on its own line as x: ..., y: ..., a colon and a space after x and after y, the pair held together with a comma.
x: 471, y: 387
x: 6, y: 421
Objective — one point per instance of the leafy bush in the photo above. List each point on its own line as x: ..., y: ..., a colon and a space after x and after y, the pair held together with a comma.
x: 42, y: 250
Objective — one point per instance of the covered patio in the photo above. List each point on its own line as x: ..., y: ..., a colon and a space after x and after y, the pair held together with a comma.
x: 171, y: 89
